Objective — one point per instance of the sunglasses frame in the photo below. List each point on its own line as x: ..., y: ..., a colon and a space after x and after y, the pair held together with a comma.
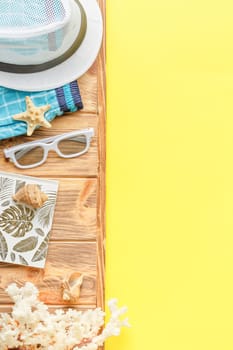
x: 49, y: 143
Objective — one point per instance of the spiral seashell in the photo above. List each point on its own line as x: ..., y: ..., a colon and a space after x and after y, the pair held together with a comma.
x: 71, y: 287
x: 32, y: 195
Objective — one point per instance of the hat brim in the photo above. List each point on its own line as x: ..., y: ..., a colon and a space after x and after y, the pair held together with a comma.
x: 73, y: 67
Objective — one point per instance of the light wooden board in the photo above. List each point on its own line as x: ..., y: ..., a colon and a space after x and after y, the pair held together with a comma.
x: 63, y: 258
x: 78, y: 232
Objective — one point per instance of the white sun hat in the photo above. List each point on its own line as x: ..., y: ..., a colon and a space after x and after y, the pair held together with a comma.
x: 47, y: 43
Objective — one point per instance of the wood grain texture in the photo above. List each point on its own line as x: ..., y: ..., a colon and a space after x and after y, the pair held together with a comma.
x: 75, y: 214
x: 62, y: 259
x: 88, y: 89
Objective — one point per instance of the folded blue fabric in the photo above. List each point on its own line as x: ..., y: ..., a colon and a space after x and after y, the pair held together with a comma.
x: 63, y: 99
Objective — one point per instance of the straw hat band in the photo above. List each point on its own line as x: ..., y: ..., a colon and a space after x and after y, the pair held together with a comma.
x: 35, y: 68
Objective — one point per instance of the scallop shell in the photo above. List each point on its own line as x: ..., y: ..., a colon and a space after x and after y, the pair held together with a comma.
x: 71, y: 287
x: 30, y: 194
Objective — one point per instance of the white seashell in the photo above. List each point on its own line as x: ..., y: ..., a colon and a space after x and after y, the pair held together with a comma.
x: 71, y: 287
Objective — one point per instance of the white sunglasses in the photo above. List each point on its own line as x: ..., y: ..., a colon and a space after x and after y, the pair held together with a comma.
x: 34, y: 153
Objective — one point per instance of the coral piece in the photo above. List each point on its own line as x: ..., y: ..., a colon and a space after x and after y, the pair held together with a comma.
x: 71, y: 287
x: 32, y: 195
x: 31, y: 326
x: 33, y: 116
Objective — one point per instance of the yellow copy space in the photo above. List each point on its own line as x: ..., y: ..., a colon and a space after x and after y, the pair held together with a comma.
x: 170, y: 172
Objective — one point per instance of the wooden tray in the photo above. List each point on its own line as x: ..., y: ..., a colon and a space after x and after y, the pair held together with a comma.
x: 78, y: 232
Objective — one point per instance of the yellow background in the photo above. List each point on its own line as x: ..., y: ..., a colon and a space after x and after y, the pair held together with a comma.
x: 170, y: 172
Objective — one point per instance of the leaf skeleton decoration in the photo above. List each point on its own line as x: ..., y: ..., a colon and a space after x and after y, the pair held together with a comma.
x: 6, y: 188
x: 12, y: 257
x: 45, y: 212
x: 19, y: 184
x: 5, y: 203
x: 26, y: 245
x: 17, y: 220
x: 42, y: 250
x: 22, y: 260
x: 40, y: 232
x: 24, y: 230
x: 3, y: 247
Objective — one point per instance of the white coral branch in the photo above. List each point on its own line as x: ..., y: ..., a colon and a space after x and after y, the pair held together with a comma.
x: 30, y: 325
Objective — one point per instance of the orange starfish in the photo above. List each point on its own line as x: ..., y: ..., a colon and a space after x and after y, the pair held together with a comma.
x: 33, y: 116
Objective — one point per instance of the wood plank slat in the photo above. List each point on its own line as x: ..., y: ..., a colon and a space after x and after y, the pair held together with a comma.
x: 63, y: 259
x: 75, y: 211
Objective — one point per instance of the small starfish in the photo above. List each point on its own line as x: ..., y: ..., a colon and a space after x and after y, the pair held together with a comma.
x: 33, y: 116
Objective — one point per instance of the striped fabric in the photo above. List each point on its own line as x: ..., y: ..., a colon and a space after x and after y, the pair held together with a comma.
x: 63, y: 99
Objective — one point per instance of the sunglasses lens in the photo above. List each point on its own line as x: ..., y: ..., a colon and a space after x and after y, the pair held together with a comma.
x: 73, y: 146
x: 29, y: 156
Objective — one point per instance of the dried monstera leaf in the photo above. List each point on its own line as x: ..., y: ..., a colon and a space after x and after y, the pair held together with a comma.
x: 17, y: 220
